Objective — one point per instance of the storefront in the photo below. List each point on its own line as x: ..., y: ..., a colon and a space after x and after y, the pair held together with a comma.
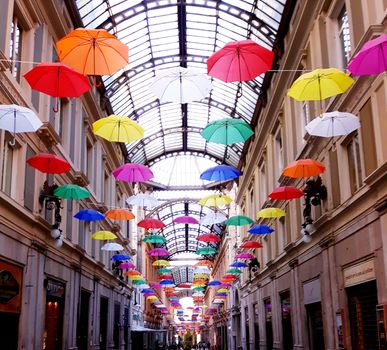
x: 268, y: 324
x: 287, y: 334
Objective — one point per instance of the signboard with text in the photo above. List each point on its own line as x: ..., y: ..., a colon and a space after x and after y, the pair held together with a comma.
x: 10, y: 287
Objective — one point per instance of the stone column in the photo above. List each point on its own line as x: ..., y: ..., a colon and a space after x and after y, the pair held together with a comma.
x: 276, y: 314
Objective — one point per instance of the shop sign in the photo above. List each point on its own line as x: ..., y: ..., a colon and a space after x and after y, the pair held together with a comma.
x: 10, y: 287
x: 312, y: 292
x: 359, y: 273
x: 55, y: 289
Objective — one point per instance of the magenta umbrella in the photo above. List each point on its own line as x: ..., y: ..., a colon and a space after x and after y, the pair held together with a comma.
x: 156, y: 285
x: 126, y: 266
x: 371, y: 59
x: 133, y: 173
x: 244, y: 256
x: 158, y: 252
x: 185, y: 220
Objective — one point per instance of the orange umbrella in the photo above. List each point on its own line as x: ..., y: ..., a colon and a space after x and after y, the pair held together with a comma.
x: 132, y: 273
x: 93, y: 51
x: 119, y: 214
x: 304, y: 168
x: 204, y: 263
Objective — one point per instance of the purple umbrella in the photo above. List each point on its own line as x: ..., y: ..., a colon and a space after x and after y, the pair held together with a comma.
x: 371, y: 59
x: 185, y: 220
x: 156, y: 285
x: 244, y: 256
x: 126, y: 266
x: 133, y: 173
x: 158, y: 252
x: 225, y: 285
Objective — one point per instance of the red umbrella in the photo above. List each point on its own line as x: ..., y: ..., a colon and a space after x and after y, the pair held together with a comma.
x: 184, y: 285
x: 239, y: 61
x: 286, y: 192
x: 57, y: 80
x: 251, y: 244
x: 208, y: 237
x: 49, y: 163
x: 165, y: 277
x: 151, y: 223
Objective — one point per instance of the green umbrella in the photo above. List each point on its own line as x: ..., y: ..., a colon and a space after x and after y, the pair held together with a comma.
x: 71, y: 192
x: 154, y: 239
x: 238, y: 220
x: 199, y: 289
x: 163, y: 270
x: 138, y: 282
x: 206, y: 250
x: 234, y: 271
x: 227, y: 131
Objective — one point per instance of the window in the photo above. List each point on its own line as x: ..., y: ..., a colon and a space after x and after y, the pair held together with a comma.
x: 262, y: 184
x: 252, y: 202
x: 90, y: 161
x: 279, y: 155
x: 345, y: 38
x: 305, y: 113
x: 69, y: 220
x: 7, y: 168
x: 29, y: 182
x: 354, y: 163
x: 15, y: 48
x: 38, y: 49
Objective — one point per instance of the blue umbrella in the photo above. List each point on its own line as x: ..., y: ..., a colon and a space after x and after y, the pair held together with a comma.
x: 260, y: 230
x: 214, y: 283
x: 238, y: 264
x: 220, y: 173
x: 221, y: 295
x: 147, y: 290
x: 120, y: 257
x: 167, y: 282
x: 89, y: 215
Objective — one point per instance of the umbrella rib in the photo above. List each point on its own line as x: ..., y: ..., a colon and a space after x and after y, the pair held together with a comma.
x: 86, y: 42
x: 97, y: 44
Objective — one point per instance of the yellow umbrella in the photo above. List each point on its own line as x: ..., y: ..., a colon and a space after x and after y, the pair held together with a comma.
x: 135, y: 278
x: 320, y: 84
x: 117, y: 128
x: 223, y: 290
x: 198, y: 285
x: 152, y: 297
x: 215, y: 200
x: 103, y: 235
x: 201, y: 275
x: 161, y: 263
x: 271, y: 213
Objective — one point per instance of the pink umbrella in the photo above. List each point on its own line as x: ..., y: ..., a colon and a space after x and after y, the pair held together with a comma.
x: 185, y: 220
x: 133, y: 173
x: 126, y: 266
x: 155, y: 285
x: 244, y: 256
x: 225, y: 285
x: 371, y: 59
x: 158, y: 252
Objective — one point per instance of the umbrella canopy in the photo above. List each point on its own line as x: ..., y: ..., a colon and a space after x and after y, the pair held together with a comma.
x: 245, y: 256
x: 133, y: 273
x: 286, y: 193
x: 215, y: 200
x: 201, y: 275
x: 206, y: 251
x: 89, y: 215
x: 151, y: 223
x: 213, y: 218
x: 92, y: 51
x: 112, y: 247
x: 333, y: 124
x: 135, y: 278
x: 156, y: 285
x: 205, y: 263
x: 238, y: 220
x: 371, y: 59
x: 181, y: 85
x: 184, y: 285
x: 208, y: 237
x: 199, y: 289
x: 251, y: 244
x: 161, y: 263
x: 220, y: 173
x: 49, y: 163
x: 260, y: 230
x: 71, y: 192
x: 234, y: 271
x: 126, y: 266
x: 239, y: 61
x: 163, y: 270
x: 154, y: 239
x: 238, y: 264
x: 103, y: 235
x: 158, y: 252
x: 227, y: 131
x: 303, y: 168
x: 119, y: 214
x: 167, y: 282
x: 214, y: 283
x: 271, y: 213
x: 117, y: 128
x: 320, y: 84
x: 133, y: 173
x: 139, y: 282
x: 143, y: 200
x: 185, y: 220
x: 118, y: 257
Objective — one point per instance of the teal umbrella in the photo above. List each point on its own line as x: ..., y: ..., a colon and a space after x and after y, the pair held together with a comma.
x: 199, y: 289
x: 163, y: 270
x: 238, y: 220
x: 234, y: 271
x: 206, y: 250
x: 227, y: 131
x: 72, y: 192
x: 154, y: 239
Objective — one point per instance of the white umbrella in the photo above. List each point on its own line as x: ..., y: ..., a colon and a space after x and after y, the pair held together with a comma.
x: 143, y: 200
x: 181, y: 85
x: 112, y: 247
x: 198, y: 294
x: 333, y: 124
x: 213, y: 218
x: 17, y: 119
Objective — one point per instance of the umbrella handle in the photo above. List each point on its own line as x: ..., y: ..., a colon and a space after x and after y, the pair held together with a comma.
x: 56, y: 108
x: 95, y: 82
x: 13, y: 142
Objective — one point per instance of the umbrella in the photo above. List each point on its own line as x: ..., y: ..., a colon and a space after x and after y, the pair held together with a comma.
x: 201, y: 276
x: 126, y: 266
x: 158, y: 252
x: 143, y: 200
x: 165, y: 277
x: 181, y: 85
x: 71, y: 192
x: 49, y: 163
x: 238, y: 220
x: 185, y: 220
x: 223, y: 290
x: 239, y: 61
x: 161, y: 263
x: 117, y: 128
x: 138, y: 282
x: 213, y: 218
x: 199, y: 289
x: 371, y: 59
x: 225, y: 285
x: 285, y: 193
x: 320, y: 84
x: 166, y: 282
x: 17, y: 119
x: 57, y: 80
x: 103, y: 235
x: 220, y: 173
x: 163, y: 270
x: 214, y: 283
x: 303, y: 168
x: 333, y: 124
x: 118, y: 257
x: 154, y: 239
x: 208, y: 237
x: 244, y: 256
x: 234, y: 271
x: 133, y: 273
x: 184, y: 285
x: 92, y: 51
x: 89, y: 215
x: 260, y: 230
x: 133, y: 173
x: 271, y: 213
x: 215, y: 200
x: 156, y: 285
x: 112, y: 247
x: 119, y: 214
x: 251, y: 244
x: 204, y: 263
x: 227, y: 131
x: 206, y: 251
x: 151, y: 223
x: 238, y: 264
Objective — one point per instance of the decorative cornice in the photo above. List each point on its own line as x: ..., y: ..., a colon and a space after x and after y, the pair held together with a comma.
x: 48, y: 135
x: 327, y: 241
x: 80, y: 178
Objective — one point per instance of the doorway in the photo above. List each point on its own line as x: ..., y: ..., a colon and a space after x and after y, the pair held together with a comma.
x: 315, y: 326
x: 83, y: 321
x: 287, y: 334
x: 103, y: 322
x: 9, y: 328
x: 268, y: 324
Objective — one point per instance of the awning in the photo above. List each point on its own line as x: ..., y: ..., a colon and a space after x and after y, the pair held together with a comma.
x: 144, y: 329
